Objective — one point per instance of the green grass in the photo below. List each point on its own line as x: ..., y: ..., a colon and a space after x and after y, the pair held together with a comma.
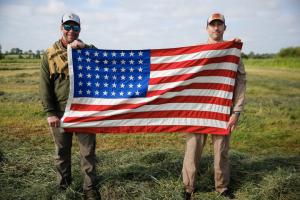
x: 14, y: 59
x: 265, y: 149
x: 273, y: 62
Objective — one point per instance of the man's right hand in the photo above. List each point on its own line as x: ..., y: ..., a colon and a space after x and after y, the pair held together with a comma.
x: 77, y: 44
x: 53, y: 121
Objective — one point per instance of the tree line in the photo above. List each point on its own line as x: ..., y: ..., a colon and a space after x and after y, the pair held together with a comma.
x: 19, y: 53
x: 285, y: 52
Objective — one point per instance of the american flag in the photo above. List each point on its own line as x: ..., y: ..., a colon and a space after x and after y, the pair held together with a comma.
x: 185, y: 89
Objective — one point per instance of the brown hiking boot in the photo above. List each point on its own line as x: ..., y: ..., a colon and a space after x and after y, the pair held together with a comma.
x: 64, y: 184
x: 187, y: 195
x: 92, y: 195
x: 228, y: 193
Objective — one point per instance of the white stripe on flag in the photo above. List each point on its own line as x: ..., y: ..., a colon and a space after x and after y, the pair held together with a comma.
x: 162, y: 107
x: 149, y: 122
x: 201, y: 79
x: 187, y: 92
x: 194, y: 69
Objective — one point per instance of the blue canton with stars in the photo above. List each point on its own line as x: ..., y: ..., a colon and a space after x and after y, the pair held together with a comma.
x: 111, y: 74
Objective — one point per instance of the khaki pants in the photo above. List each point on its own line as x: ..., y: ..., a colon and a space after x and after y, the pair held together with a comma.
x: 62, y: 159
x: 193, y: 151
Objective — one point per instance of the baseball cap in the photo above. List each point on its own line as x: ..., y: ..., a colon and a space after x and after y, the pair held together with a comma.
x: 216, y: 16
x: 70, y: 17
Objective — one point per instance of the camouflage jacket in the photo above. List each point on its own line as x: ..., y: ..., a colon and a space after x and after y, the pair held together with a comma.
x: 54, y: 84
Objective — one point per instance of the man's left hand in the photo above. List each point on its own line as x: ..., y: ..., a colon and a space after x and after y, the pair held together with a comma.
x: 237, y: 40
x: 232, y: 123
x: 77, y: 44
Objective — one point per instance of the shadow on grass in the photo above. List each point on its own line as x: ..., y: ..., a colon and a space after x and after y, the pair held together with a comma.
x: 245, y: 169
x: 166, y: 165
x: 141, y: 166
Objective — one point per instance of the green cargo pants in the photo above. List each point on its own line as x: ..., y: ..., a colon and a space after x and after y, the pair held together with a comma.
x: 62, y: 158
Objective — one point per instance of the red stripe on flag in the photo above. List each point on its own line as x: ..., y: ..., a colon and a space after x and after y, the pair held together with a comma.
x: 151, y: 129
x: 194, y: 49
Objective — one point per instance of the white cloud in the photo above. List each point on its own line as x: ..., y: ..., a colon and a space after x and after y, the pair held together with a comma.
x: 94, y: 2
x: 264, y: 26
x: 52, y: 7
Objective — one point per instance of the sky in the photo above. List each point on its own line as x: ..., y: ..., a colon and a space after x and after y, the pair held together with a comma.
x: 265, y: 26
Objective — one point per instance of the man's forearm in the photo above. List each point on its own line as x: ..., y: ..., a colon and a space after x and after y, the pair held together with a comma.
x: 240, y: 89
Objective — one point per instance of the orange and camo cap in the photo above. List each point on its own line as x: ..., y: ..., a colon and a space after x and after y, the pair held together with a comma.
x: 216, y: 16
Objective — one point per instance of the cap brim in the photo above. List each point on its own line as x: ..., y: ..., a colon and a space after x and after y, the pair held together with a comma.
x: 70, y: 21
x: 221, y: 20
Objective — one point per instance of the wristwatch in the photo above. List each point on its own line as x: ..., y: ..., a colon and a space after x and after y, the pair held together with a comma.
x: 238, y: 113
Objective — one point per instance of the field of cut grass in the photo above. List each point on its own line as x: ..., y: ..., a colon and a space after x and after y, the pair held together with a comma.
x: 275, y: 63
x: 265, y: 149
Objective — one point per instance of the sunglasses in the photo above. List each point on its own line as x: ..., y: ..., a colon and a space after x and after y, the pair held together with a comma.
x: 68, y: 27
